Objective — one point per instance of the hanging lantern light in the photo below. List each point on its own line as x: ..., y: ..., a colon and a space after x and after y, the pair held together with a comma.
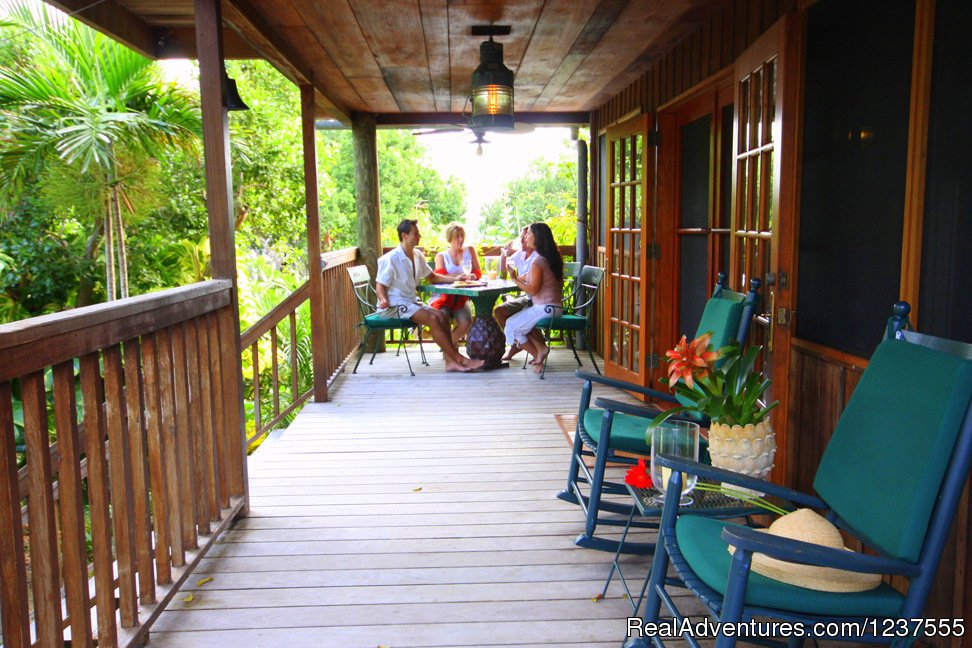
x: 491, y: 95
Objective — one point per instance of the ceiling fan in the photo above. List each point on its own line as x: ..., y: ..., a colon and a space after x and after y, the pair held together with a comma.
x: 490, y: 94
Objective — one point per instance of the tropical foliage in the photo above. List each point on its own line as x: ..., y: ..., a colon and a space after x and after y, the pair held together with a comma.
x: 548, y: 193
x: 84, y: 115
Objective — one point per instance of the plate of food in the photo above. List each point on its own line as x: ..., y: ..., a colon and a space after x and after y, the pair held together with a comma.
x: 468, y: 284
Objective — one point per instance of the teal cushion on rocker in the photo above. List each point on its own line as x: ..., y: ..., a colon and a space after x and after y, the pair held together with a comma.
x: 702, y: 547
x: 627, y: 432
x: 375, y: 320
x: 884, y: 464
x: 721, y: 317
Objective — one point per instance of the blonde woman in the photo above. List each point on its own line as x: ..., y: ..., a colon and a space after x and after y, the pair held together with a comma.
x: 457, y: 259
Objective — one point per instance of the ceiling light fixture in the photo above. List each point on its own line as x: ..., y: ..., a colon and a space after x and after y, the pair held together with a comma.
x: 491, y: 93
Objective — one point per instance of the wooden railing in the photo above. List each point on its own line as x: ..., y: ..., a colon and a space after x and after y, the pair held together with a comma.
x: 340, y: 319
x: 131, y: 424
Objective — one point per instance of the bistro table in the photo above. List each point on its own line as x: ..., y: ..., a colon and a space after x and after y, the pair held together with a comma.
x: 485, y: 340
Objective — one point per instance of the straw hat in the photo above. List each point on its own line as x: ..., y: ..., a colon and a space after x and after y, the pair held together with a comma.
x: 807, y: 526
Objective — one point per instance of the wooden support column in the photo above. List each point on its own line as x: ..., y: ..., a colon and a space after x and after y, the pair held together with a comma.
x: 318, y: 334
x: 219, y: 204
x: 366, y: 189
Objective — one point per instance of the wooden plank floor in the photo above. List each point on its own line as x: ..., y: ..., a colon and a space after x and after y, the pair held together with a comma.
x: 410, y: 511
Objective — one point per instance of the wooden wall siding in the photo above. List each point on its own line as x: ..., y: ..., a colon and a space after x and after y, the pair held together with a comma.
x: 262, y: 341
x: 713, y: 45
x: 136, y: 387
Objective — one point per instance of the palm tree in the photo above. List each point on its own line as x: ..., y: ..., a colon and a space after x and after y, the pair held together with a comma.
x: 88, y: 103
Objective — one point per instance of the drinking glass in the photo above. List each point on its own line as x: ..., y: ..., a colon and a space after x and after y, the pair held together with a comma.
x: 467, y: 268
x: 678, y: 439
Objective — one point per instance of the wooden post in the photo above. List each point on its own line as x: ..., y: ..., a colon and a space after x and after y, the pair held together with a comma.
x: 318, y: 334
x: 366, y: 189
x: 219, y: 204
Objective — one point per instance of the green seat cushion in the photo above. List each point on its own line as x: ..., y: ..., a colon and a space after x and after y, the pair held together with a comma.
x: 721, y: 316
x: 377, y: 322
x: 564, y: 323
x: 884, y: 464
x: 702, y: 547
x: 627, y: 432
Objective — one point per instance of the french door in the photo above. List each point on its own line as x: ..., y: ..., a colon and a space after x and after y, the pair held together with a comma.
x: 694, y: 203
x: 627, y: 235
x: 764, y: 204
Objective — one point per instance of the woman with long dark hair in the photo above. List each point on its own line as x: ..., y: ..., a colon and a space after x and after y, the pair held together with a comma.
x: 544, y: 284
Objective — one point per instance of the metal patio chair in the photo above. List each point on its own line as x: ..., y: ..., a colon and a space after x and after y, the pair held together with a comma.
x: 581, y: 288
x: 372, y: 321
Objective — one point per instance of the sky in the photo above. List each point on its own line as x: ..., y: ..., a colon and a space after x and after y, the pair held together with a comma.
x: 505, y: 157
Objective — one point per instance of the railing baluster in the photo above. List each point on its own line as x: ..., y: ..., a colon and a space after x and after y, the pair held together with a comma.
x: 154, y: 442
x: 255, y: 359
x: 229, y: 354
x: 274, y: 373
x: 219, y: 402
x: 197, y: 430
x: 183, y: 454
x: 121, y: 485
x: 170, y: 469
x: 141, y: 520
x: 45, y: 571
x: 94, y: 432
x: 71, y: 504
x: 294, y: 374
x: 13, y: 570
x: 208, y: 402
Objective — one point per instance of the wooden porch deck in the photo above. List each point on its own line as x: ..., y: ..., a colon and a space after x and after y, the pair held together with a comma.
x: 410, y: 512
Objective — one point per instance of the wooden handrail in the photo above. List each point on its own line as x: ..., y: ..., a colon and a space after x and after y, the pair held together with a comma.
x: 33, y: 344
x: 341, y: 319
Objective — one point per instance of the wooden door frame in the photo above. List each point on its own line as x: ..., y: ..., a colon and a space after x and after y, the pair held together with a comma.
x: 708, y: 97
x: 636, y: 124
x: 787, y: 37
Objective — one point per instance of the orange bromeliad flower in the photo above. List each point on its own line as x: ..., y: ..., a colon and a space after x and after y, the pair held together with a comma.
x: 689, y: 360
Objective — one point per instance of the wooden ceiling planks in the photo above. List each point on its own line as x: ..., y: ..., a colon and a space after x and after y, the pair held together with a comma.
x: 561, y: 23
x: 585, y: 42
x: 435, y: 28
x: 336, y: 29
x: 417, y: 56
x: 395, y: 35
x: 639, y: 25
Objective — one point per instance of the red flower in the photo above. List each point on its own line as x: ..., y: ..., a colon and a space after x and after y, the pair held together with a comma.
x: 638, y: 475
x: 690, y: 360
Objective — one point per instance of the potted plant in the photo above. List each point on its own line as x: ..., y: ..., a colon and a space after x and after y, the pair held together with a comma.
x: 723, y: 386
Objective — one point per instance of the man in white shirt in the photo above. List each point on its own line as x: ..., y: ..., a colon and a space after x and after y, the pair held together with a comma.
x: 522, y: 260
x: 396, y: 284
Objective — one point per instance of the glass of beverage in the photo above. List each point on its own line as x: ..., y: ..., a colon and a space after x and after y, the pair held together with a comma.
x: 467, y: 267
x: 678, y: 439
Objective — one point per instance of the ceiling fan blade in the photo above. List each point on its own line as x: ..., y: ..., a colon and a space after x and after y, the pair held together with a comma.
x: 437, y: 131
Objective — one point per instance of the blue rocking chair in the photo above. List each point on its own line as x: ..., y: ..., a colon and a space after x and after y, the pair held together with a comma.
x: 617, y: 426
x: 891, y: 476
